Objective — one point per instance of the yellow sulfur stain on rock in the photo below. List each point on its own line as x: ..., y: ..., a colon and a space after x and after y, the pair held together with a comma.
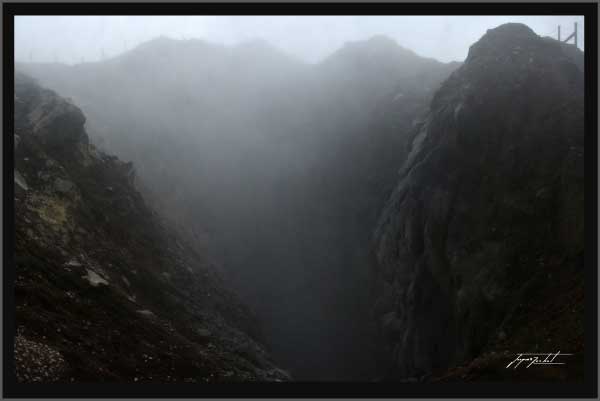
x: 51, y: 210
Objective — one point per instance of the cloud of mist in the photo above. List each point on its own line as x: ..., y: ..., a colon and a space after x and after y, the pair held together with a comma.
x: 74, y: 39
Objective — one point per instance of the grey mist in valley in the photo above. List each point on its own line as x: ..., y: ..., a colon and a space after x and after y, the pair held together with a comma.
x: 286, y: 198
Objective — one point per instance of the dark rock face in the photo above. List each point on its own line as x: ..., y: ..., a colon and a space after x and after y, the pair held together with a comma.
x: 105, y: 290
x: 56, y: 123
x: 490, y: 196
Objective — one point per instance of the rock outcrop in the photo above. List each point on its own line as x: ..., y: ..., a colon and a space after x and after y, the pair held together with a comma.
x: 480, y: 247
x: 105, y: 290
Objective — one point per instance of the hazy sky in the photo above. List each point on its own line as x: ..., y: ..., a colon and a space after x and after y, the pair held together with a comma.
x: 71, y: 39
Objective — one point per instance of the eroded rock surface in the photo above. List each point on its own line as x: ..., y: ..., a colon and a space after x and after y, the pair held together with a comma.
x: 488, y: 212
x: 92, y: 301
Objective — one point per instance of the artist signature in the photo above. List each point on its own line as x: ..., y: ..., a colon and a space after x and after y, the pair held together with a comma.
x: 529, y: 359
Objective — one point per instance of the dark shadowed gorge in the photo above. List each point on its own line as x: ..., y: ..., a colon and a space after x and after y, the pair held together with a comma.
x: 380, y: 215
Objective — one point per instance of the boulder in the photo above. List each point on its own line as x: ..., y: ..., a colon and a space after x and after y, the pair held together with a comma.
x: 63, y: 186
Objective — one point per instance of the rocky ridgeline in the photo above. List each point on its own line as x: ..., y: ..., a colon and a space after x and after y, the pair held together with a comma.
x: 480, y: 247
x: 104, y: 290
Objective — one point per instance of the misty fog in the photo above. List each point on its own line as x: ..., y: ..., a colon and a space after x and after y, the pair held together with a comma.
x: 271, y: 142
x: 73, y: 39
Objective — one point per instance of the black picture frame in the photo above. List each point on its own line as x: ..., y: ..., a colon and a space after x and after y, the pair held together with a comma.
x: 587, y: 389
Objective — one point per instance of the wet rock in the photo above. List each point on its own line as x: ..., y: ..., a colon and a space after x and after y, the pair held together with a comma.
x: 63, y: 186
x: 147, y: 313
x: 203, y: 333
x: 44, y: 175
x: 73, y: 263
x: 20, y: 181
x: 392, y: 325
x: 94, y: 278
x: 278, y: 374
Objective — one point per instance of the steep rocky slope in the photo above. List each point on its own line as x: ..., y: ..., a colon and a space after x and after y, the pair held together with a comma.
x: 480, y: 248
x: 105, y: 290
